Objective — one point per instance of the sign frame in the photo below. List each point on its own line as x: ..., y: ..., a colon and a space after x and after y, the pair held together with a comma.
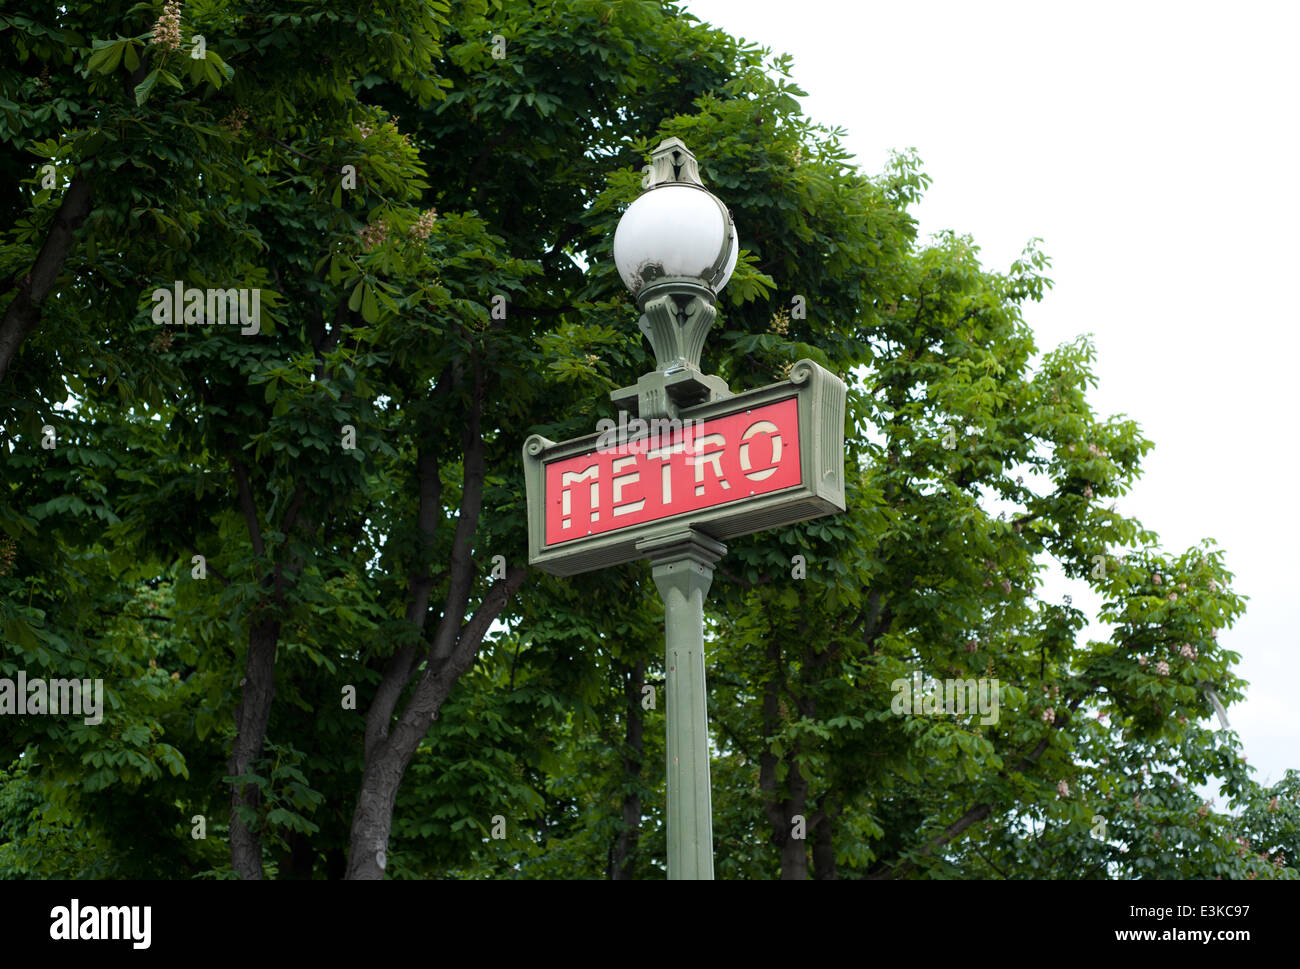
x: 820, y: 397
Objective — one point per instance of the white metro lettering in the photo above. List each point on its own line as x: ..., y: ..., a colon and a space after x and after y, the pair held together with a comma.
x: 701, y: 457
x: 760, y: 427
x: 570, y: 478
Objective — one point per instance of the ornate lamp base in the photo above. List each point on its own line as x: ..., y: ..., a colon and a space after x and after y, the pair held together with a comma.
x: 675, y: 317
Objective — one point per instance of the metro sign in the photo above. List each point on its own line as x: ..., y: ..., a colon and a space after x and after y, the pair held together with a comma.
x: 664, y: 475
x: 753, y: 461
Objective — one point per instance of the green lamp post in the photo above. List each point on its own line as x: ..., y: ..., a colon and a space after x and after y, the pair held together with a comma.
x: 696, y: 465
x: 675, y: 248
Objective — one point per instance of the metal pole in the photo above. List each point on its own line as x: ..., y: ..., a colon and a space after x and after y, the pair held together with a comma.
x: 682, y: 564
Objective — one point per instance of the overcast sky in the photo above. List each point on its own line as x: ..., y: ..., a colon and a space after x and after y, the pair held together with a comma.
x: 1153, y: 148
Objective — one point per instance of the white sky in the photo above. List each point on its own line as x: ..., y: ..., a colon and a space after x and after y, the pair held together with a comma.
x: 1153, y: 147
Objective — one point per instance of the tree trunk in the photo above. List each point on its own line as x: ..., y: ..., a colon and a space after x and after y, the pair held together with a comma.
x: 794, y: 851
x: 824, y: 849
x: 781, y: 811
x: 22, y: 315
x: 251, y: 718
x: 388, y: 754
x: 622, y: 856
x: 372, y: 822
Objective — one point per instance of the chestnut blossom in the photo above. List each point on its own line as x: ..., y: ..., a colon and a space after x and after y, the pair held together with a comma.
x: 1062, y: 788
x: 1162, y: 668
x: 373, y: 234
x: 1049, y: 715
x: 424, y: 225
x: 167, y: 29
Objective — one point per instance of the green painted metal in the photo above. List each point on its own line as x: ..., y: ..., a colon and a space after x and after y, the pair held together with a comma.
x: 676, y: 315
x: 682, y: 564
x: 672, y: 163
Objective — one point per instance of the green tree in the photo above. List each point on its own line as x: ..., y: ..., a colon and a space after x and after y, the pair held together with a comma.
x: 335, y: 567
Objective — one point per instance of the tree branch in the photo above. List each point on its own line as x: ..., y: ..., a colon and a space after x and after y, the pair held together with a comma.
x: 462, y: 563
x: 24, y: 312
x: 420, y: 587
x: 249, y: 508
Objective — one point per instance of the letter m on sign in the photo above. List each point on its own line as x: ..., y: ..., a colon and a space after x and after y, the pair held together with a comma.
x: 588, y: 497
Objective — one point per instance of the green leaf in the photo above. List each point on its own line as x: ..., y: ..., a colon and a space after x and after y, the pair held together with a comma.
x: 17, y: 631
x: 144, y: 87
x: 106, y: 59
x: 369, y: 307
x: 222, y: 66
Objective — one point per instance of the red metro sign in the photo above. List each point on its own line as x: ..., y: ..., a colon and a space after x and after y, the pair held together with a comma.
x: 753, y: 461
x: 688, y: 469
